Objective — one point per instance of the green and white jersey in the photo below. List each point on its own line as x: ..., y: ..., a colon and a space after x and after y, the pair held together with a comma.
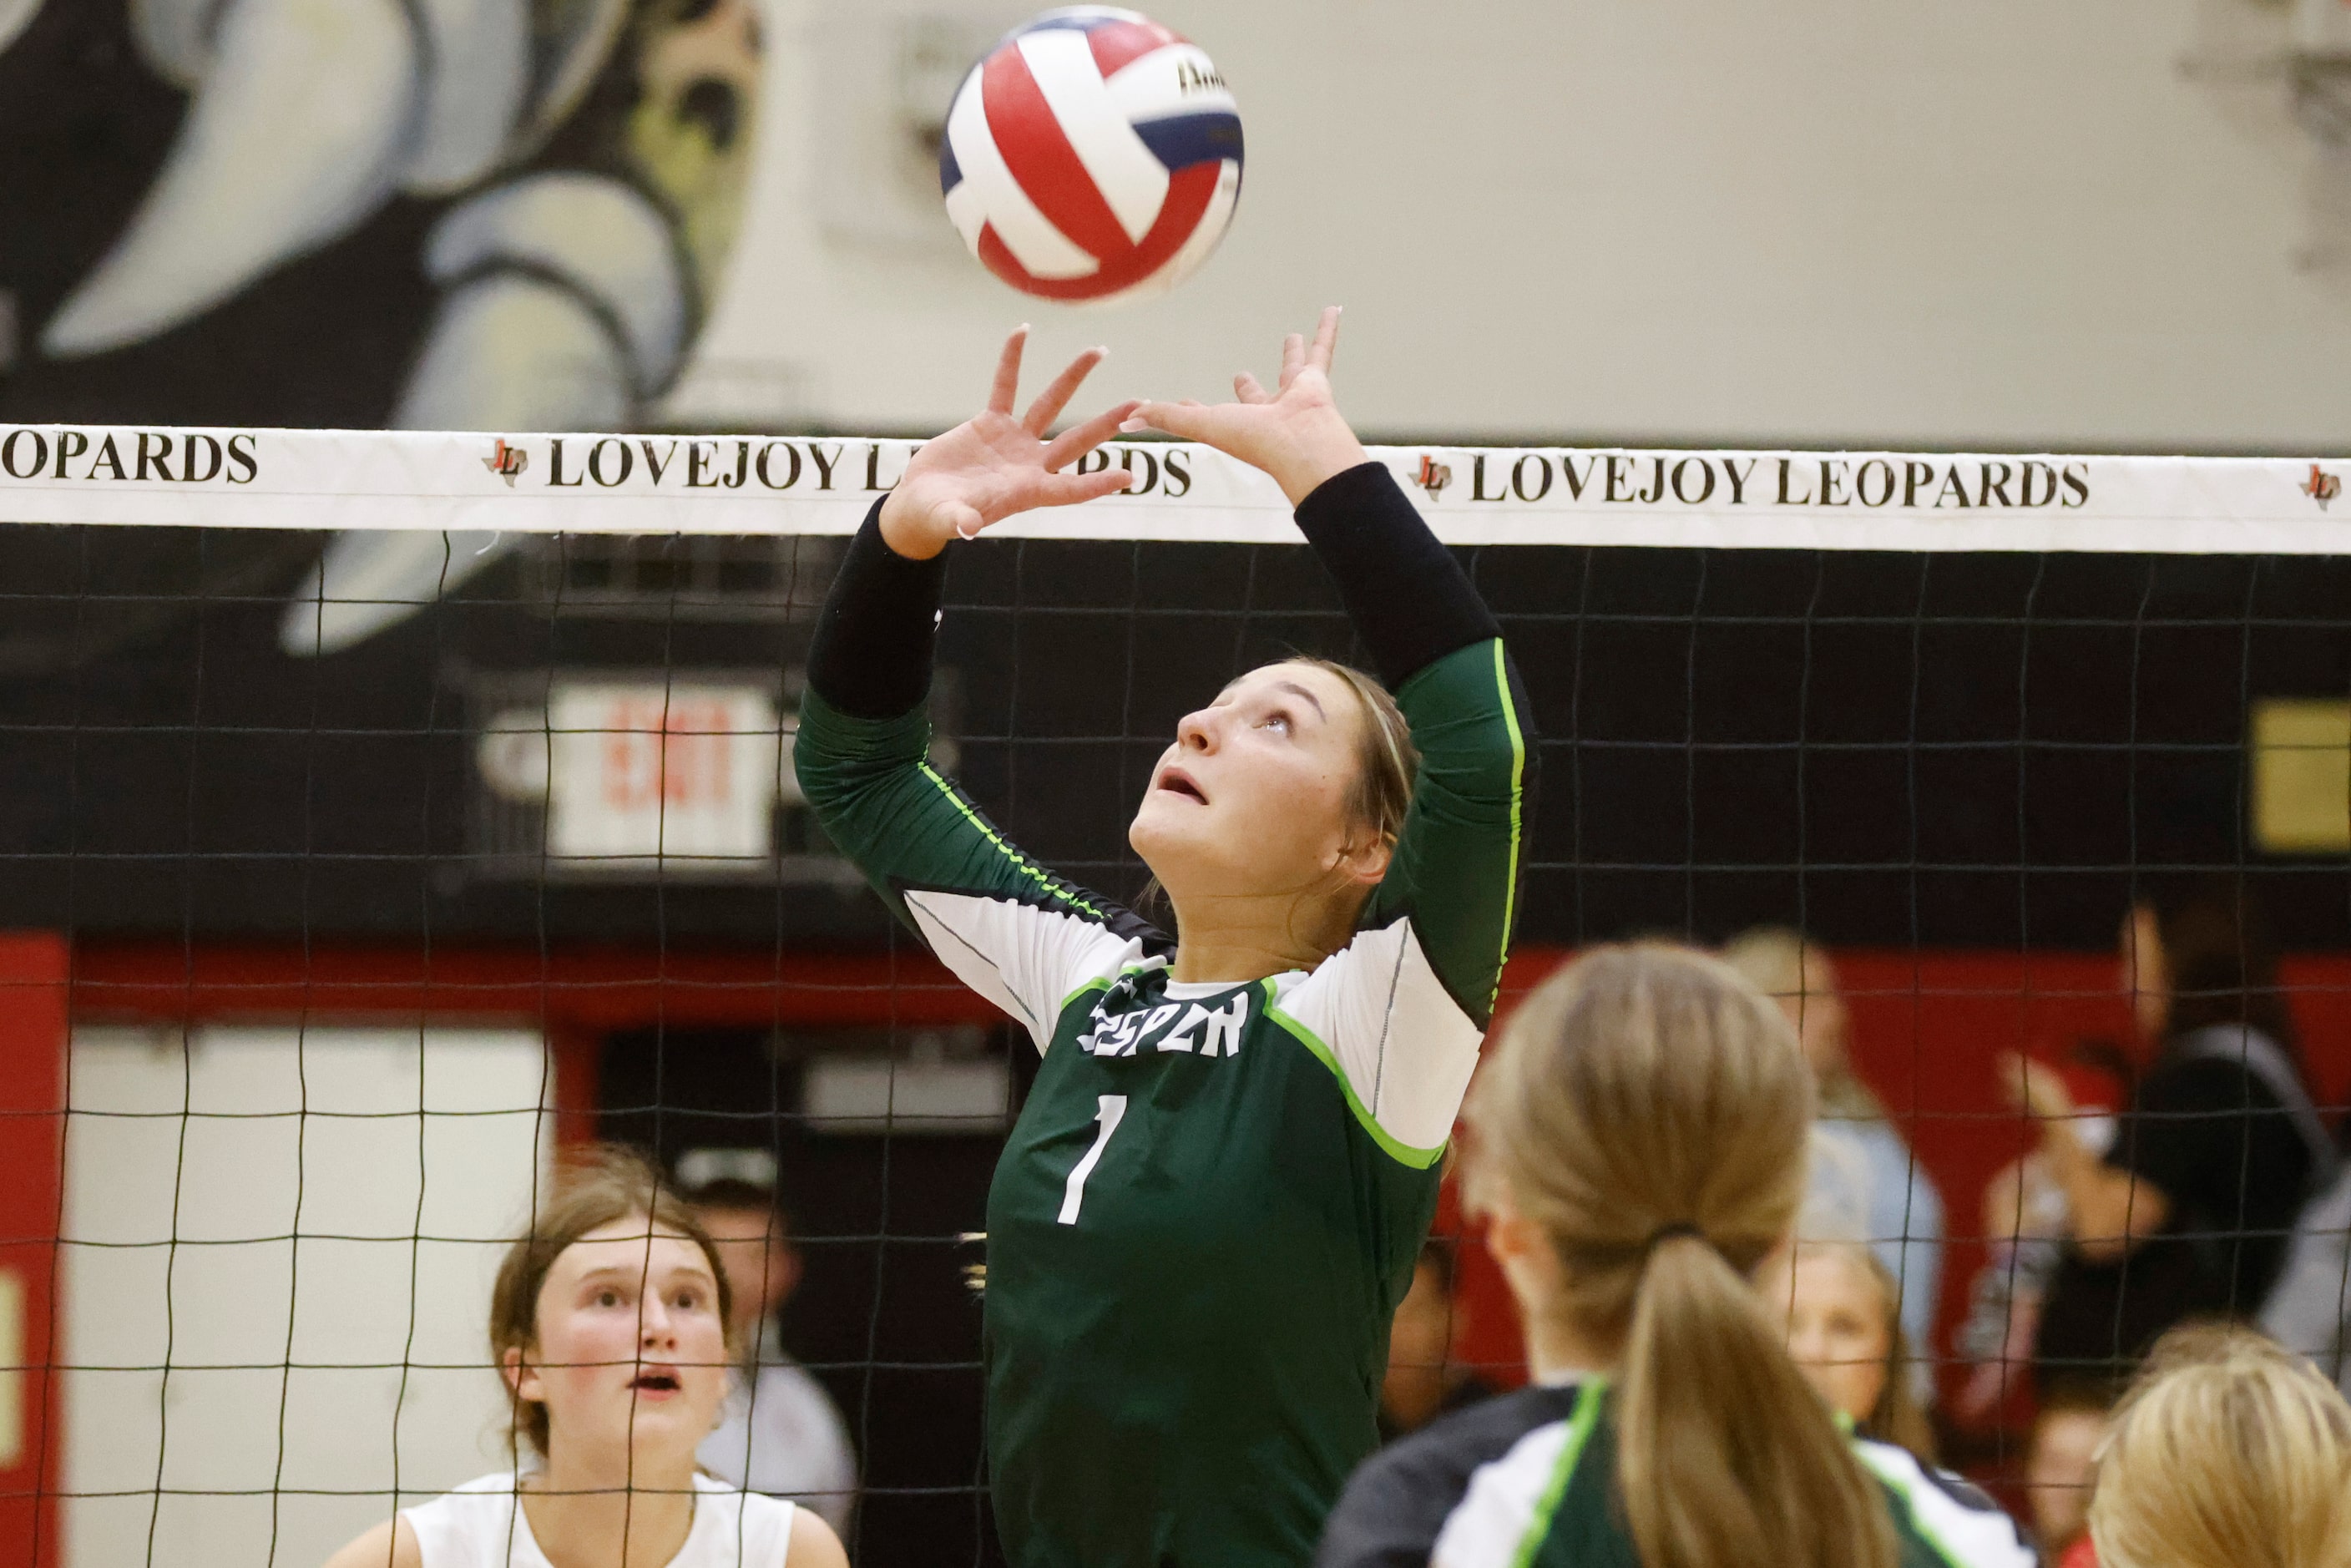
x: 1213, y: 1200
x: 1529, y: 1480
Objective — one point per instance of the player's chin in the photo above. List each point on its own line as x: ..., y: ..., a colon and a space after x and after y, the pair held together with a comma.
x: 682, y: 1420
x: 1168, y: 826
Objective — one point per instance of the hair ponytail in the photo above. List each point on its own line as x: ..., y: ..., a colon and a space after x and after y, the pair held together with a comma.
x: 1648, y: 1110
x: 1725, y: 1455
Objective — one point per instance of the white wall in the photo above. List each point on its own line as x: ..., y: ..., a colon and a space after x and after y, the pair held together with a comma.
x: 203, y: 1146
x: 2004, y: 222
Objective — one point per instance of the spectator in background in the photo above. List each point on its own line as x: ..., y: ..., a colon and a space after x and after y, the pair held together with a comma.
x: 1423, y: 1380
x: 2061, y: 1464
x: 2188, y: 1211
x: 2231, y: 1453
x: 1837, y: 1302
x: 2026, y: 1225
x: 778, y: 1432
x: 1865, y: 1180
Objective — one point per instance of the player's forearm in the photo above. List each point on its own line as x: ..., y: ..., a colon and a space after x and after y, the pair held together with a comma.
x: 874, y: 641
x: 863, y: 732
x: 1458, y: 866
x: 1410, y: 601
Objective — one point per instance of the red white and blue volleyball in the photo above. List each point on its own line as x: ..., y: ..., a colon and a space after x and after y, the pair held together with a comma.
x: 1095, y: 155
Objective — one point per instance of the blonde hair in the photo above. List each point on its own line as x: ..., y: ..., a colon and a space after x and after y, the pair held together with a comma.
x: 1648, y: 1110
x: 594, y: 1186
x: 1897, y: 1417
x: 1772, y: 958
x: 2229, y: 1452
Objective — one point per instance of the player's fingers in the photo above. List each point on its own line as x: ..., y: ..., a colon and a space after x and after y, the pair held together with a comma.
x: 1084, y: 438
x: 1245, y: 388
x: 1293, y: 357
x: 1071, y: 489
x: 1185, y: 420
x: 966, y: 520
x: 1326, y: 339
x: 1008, y: 372
x: 1053, y: 399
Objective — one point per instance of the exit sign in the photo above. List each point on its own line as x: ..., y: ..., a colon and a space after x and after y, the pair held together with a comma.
x: 649, y: 774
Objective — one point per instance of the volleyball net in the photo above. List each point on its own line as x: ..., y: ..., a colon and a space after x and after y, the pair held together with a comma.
x: 386, y: 811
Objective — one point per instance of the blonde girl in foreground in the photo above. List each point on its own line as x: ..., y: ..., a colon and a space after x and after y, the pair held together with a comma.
x: 1639, y: 1150
x: 608, y: 1325
x: 2229, y: 1453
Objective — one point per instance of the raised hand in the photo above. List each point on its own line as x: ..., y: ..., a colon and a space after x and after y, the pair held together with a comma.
x: 1294, y: 432
x: 993, y: 465
x: 2034, y: 1087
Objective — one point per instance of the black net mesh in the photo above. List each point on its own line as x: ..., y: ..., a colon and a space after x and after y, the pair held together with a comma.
x: 352, y: 942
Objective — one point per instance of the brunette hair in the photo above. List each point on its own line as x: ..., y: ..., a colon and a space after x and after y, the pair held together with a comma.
x: 1387, y: 761
x: 1649, y: 1110
x: 2220, y: 960
x: 593, y: 1186
x: 2229, y: 1452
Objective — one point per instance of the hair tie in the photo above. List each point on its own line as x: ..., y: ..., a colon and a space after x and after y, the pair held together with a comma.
x: 1667, y: 1233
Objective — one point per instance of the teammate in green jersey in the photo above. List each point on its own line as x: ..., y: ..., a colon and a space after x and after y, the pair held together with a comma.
x: 1638, y: 1149
x: 1213, y: 1200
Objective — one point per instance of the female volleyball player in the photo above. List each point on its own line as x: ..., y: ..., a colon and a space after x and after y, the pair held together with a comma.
x: 608, y: 1324
x: 1637, y: 1148
x: 1214, y: 1198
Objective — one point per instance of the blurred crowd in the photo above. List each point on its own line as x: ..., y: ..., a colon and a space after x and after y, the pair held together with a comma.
x: 2180, y: 1212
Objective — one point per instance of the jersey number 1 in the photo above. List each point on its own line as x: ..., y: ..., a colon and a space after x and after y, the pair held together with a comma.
x: 1112, y: 1108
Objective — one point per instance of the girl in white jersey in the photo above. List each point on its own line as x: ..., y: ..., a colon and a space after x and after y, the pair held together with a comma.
x: 609, y: 1325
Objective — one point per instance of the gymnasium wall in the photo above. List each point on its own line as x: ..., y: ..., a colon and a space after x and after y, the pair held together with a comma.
x: 1826, y: 221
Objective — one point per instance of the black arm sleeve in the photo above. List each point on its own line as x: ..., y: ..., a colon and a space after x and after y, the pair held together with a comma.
x: 871, y: 657
x: 1409, y: 599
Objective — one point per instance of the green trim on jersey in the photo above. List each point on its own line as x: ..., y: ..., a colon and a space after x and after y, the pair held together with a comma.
x: 1588, y: 1401
x: 902, y: 821
x: 1402, y: 1153
x: 1898, y: 1487
x: 1092, y: 985
x: 1020, y: 861
x: 1517, y: 806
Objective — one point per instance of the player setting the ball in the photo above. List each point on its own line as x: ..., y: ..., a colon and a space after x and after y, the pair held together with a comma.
x: 1212, y: 1203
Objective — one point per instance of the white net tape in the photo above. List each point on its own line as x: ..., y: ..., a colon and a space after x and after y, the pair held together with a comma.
x: 774, y: 485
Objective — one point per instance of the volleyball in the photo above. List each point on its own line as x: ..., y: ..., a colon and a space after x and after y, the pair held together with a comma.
x: 1095, y: 155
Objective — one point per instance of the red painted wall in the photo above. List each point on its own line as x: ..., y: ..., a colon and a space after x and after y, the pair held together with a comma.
x: 1926, y: 1029
x: 32, y: 1121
